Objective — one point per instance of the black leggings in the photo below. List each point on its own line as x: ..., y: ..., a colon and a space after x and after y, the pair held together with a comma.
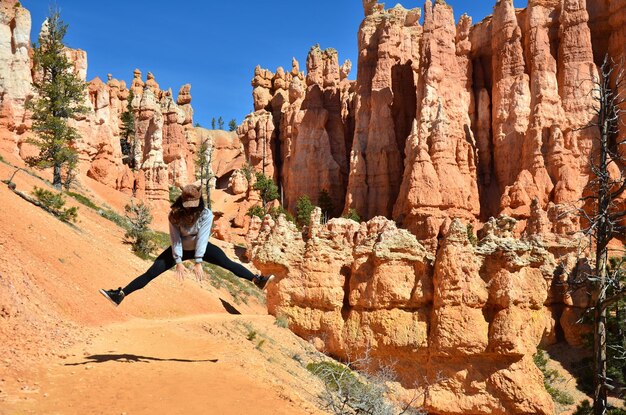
x: 165, y: 261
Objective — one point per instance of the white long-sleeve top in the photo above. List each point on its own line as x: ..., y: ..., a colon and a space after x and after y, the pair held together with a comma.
x: 194, y: 237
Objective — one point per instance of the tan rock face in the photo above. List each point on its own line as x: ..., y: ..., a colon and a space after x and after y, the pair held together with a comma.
x: 385, y: 106
x: 166, y: 140
x: 448, y: 119
x: 440, y: 174
x: 15, y: 76
x: 617, y: 21
x: 352, y: 288
x: 314, y: 132
x: 256, y: 133
x: 539, y: 150
x: 228, y: 153
x: 238, y: 183
x: 163, y: 154
x: 301, y: 129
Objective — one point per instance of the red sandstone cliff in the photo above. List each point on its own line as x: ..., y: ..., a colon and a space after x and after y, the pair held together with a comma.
x: 166, y: 137
x: 462, y: 324
x: 445, y: 120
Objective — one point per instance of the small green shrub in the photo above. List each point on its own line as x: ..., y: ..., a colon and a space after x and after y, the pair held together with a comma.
x: 282, y: 321
x: 333, y: 374
x: 471, y: 236
x: 256, y: 211
x: 115, y: 217
x: 82, y: 199
x: 247, y: 171
x: 350, y: 392
x: 352, y: 214
x: 139, y: 235
x: 585, y: 408
x: 53, y: 202
x: 175, y: 192
x: 267, y: 188
x: 277, y: 211
x: 304, y: 209
x: 69, y: 214
x: 49, y: 199
x: 251, y: 334
x: 550, y: 377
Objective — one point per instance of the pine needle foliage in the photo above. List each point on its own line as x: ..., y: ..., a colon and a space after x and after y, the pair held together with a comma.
x: 128, y: 140
x: 352, y: 214
x: 60, y: 97
x: 325, y: 203
x: 267, y: 188
x: 304, y: 208
x: 54, y: 203
x: 138, y: 234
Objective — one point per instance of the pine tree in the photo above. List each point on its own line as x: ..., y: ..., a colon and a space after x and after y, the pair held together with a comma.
x: 203, y: 167
x: 220, y: 123
x: 605, y: 220
x: 232, y: 125
x: 267, y: 188
x: 128, y: 139
x: 352, y: 214
x: 325, y: 203
x: 60, y: 94
x: 138, y: 234
x: 304, y: 208
x: 213, y: 123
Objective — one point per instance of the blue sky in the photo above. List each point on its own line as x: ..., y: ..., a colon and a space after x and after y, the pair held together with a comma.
x: 213, y: 45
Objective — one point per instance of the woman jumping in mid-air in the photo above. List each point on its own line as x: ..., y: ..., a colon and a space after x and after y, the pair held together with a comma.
x: 190, y: 228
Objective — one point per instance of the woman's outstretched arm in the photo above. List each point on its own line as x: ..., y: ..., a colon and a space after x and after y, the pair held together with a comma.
x: 177, y: 243
x: 204, y: 232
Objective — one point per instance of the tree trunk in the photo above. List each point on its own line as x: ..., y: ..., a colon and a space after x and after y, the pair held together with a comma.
x: 600, y: 402
x: 603, y: 236
x: 56, y: 177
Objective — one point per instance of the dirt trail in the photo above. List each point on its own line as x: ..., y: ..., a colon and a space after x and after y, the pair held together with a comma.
x: 202, y: 364
x: 169, y: 348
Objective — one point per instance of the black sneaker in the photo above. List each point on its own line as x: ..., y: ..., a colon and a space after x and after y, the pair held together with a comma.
x: 114, y: 296
x: 261, y: 281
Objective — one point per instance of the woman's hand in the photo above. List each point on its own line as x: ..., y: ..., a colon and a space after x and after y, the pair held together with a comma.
x: 180, y: 272
x: 198, y: 272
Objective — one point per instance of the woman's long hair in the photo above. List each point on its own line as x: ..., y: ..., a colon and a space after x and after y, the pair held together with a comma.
x: 180, y: 215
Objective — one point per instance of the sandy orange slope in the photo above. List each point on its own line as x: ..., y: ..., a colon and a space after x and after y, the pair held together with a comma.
x: 64, y: 349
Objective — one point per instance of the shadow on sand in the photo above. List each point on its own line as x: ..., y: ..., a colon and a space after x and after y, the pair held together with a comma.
x: 132, y: 358
x: 240, y: 251
x: 229, y: 307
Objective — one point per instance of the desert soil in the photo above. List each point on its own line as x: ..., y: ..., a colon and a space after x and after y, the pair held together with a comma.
x: 169, y: 348
x: 200, y: 364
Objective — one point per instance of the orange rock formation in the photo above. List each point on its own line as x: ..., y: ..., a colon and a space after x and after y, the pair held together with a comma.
x: 445, y: 120
x: 467, y: 320
x: 166, y: 137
